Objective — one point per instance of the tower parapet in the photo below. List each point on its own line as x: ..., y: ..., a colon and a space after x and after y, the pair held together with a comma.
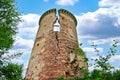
x: 69, y: 14
x: 47, y: 13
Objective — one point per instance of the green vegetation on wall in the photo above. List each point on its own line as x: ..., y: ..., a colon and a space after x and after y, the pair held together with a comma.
x: 105, y: 71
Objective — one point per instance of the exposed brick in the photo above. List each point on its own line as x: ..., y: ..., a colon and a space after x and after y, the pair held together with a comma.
x: 53, y: 54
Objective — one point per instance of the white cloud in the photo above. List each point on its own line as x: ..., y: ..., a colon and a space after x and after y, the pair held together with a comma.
x: 103, y: 23
x: 66, y: 2
x: 103, y: 3
x: 27, y: 30
x: 117, y: 68
x: 18, y: 60
x: 104, y: 41
x: 81, y: 37
x: 115, y: 58
x: 89, y: 50
x: 24, y: 69
x: 91, y: 68
x: 29, y: 25
x: 22, y: 43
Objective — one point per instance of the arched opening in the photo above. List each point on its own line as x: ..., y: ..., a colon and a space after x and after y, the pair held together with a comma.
x: 56, y: 26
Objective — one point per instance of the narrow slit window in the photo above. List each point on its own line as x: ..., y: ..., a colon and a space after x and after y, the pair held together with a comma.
x: 56, y: 26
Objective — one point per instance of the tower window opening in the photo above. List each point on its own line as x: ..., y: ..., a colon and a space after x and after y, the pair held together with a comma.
x: 56, y: 27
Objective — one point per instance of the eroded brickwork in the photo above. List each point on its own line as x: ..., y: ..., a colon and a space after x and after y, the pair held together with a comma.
x: 53, y: 54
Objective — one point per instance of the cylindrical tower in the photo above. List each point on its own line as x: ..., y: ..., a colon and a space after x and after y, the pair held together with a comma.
x: 54, y: 53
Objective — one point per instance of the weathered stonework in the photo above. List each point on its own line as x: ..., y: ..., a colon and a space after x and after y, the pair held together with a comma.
x: 54, y: 54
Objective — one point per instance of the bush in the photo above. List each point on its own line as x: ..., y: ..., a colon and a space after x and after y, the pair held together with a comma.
x: 12, y: 71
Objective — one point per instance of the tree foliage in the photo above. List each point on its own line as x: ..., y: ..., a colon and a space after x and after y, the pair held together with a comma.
x: 9, y: 18
x: 12, y: 71
x: 103, y: 61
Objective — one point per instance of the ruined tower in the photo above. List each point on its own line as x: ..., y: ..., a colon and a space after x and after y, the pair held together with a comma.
x: 54, y: 53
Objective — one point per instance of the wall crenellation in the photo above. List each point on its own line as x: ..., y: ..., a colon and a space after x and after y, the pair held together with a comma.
x: 46, y: 13
x: 69, y: 14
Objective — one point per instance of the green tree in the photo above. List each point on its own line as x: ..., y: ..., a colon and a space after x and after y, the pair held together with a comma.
x: 9, y: 18
x: 12, y: 71
x: 103, y: 61
x: 116, y: 75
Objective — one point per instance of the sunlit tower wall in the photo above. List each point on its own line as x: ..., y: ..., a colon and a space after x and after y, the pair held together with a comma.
x: 54, y: 52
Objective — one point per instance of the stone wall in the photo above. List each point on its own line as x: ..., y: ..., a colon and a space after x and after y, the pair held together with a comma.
x: 54, y: 54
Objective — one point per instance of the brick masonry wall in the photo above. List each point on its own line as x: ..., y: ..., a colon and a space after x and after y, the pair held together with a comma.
x: 53, y: 54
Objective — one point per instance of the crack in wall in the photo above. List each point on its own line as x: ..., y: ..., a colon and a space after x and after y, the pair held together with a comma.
x: 56, y: 37
x: 56, y: 24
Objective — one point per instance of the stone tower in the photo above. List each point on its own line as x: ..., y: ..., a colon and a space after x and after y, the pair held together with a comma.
x: 54, y: 53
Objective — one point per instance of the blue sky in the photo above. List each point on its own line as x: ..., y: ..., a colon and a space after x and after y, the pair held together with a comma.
x: 98, y: 21
x: 40, y: 6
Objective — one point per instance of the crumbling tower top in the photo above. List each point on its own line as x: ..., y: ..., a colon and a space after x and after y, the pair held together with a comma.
x: 59, y: 11
x: 47, y: 13
x: 69, y: 14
